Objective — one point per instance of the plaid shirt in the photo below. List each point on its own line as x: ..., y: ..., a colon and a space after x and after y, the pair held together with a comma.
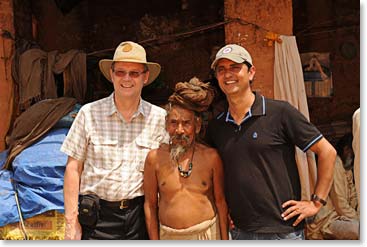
x: 114, y: 151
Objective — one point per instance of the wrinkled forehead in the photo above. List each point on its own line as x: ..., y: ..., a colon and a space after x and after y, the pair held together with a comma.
x: 179, y: 113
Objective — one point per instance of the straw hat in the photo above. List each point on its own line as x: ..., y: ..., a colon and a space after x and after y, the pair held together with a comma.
x: 129, y: 51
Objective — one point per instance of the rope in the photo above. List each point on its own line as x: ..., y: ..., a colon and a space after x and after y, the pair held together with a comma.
x: 20, y: 215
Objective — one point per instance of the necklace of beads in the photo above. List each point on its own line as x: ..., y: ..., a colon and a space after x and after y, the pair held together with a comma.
x: 184, y: 173
x: 187, y: 173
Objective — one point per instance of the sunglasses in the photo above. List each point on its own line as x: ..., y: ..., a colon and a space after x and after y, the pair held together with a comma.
x: 132, y: 74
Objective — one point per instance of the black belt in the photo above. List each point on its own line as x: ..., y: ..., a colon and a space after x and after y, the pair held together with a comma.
x: 123, y: 204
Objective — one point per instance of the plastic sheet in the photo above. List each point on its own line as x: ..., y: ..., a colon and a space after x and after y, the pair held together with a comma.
x: 38, y: 177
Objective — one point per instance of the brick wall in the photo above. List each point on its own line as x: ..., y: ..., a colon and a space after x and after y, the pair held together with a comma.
x: 6, y: 82
x: 274, y: 16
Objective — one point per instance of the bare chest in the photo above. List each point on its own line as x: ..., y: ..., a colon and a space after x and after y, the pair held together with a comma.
x: 170, y: 180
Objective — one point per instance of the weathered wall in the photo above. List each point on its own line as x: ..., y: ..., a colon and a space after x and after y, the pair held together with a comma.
x: 274, y: 16
x: 23, y: 19
x: 334, y: 30
x: 6, y: 82
x: 62, y: 32
x: 95, y: 25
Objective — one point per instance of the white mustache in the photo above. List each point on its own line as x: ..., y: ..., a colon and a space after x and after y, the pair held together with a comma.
x: 179, y: 138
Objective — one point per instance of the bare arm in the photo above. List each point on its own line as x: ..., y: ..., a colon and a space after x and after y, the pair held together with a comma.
x: 151, y: 196
x: 325, y: 169
x: 73, y: 171
x: 220, y: 202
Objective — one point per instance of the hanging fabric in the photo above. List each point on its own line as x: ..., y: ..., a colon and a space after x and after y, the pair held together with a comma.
x: 289, y: 86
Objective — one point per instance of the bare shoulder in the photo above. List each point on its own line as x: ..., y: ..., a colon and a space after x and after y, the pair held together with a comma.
x: 156, y: 152
x: 207, y: 150
x: 209, y: 154
x: 154, y: 156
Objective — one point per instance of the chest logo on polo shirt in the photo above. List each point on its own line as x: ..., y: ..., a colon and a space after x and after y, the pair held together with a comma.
x: 254, y: 135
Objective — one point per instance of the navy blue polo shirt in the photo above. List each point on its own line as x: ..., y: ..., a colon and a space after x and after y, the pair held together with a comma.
x: 258, y: 156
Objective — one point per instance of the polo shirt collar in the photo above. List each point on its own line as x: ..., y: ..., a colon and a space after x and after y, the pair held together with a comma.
x: 258, y: 108
x: 142, y: 108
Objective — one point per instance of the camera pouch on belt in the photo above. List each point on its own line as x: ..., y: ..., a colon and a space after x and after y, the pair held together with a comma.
x: 88, y: 210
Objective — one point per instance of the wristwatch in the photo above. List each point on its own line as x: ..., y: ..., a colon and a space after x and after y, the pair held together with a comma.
x: 315, y: 198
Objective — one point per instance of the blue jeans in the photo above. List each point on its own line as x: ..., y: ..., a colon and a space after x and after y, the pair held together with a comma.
x: 238, y: 234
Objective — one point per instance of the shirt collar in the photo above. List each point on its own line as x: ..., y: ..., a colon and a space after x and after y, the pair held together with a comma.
x: 258, y: 108
x: 142, y: 107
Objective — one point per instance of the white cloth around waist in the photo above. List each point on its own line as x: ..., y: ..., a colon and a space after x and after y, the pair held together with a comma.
x: 206, y: 230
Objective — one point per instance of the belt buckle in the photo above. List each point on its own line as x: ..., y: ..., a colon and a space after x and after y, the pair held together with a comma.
x: 123, y: 204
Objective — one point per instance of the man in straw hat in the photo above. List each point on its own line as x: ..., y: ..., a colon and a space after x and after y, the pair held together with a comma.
x: 107, y: 145
x: 256, y: 139
x: 187, y: 176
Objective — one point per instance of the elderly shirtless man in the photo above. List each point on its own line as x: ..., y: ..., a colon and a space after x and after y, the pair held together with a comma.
x: 183, y: 180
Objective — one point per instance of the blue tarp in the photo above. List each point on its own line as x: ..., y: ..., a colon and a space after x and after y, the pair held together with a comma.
x: 67, y: 120
x: 38, y: 174
x: 8, y: 206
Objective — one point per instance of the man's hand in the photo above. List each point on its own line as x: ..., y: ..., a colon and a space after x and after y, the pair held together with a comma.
x: 73, y: 230
x: 302, y: 209
x: 230, y: 222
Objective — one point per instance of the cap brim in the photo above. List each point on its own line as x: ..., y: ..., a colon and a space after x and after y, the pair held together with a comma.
x: 235, y: 59
x: 154, y: 69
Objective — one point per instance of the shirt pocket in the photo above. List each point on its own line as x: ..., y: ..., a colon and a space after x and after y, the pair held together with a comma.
x: 105, y: 153
x: 144, y: 144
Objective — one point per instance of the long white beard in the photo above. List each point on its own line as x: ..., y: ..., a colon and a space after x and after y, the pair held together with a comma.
x: 177, y: 151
